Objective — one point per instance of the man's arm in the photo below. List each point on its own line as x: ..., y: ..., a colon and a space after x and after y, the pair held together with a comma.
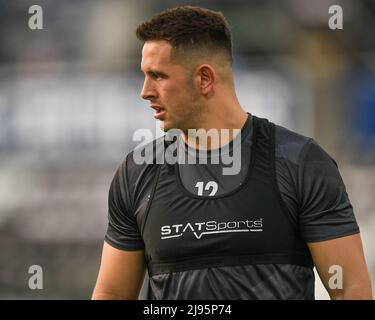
x: 347, y: 253
x: 121, y: 274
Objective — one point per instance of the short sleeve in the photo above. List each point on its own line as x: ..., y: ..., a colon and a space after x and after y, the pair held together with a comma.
x: 122, y: 232
x: 325, y: 211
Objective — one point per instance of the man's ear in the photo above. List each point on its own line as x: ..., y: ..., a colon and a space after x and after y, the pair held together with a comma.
x: 206, y: 77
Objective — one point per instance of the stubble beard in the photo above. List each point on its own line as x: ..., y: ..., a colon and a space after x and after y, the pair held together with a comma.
x: 188, y: 120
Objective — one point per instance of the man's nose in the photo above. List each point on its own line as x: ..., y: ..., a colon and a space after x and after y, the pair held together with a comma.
x: 148, y: 92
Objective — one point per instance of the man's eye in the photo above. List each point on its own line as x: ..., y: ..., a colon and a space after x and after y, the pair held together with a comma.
x: 155, y: 75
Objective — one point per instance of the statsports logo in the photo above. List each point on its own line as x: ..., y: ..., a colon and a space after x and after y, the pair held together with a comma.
x: 200, y: 229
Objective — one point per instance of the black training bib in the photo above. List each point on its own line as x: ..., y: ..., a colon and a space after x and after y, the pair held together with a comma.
x: 249, y: 225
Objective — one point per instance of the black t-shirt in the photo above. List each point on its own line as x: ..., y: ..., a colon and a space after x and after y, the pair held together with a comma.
x: 311, y: 189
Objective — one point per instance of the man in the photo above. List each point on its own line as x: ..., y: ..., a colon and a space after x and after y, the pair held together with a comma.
x: 201, y: 234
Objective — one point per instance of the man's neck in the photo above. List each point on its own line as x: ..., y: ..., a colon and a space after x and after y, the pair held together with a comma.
x: 216, y: 129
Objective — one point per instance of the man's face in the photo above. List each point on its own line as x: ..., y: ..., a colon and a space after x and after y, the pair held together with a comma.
x: 168, y: 87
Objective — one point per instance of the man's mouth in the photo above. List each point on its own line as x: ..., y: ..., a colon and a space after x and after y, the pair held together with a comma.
x: 159, y: 112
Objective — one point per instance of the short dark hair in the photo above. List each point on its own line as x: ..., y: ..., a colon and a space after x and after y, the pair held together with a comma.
x: 189, y: 28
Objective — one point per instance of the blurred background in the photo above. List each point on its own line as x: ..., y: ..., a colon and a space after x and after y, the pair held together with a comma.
x: 69, y: 105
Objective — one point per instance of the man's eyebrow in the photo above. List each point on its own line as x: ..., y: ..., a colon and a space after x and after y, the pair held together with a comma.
x: 154, y: 71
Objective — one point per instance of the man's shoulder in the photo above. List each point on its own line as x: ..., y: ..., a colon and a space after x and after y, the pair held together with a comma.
x: 291, y: 145
x: 298, y: 149
x: 147, y: 153
x: 142, y: 160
